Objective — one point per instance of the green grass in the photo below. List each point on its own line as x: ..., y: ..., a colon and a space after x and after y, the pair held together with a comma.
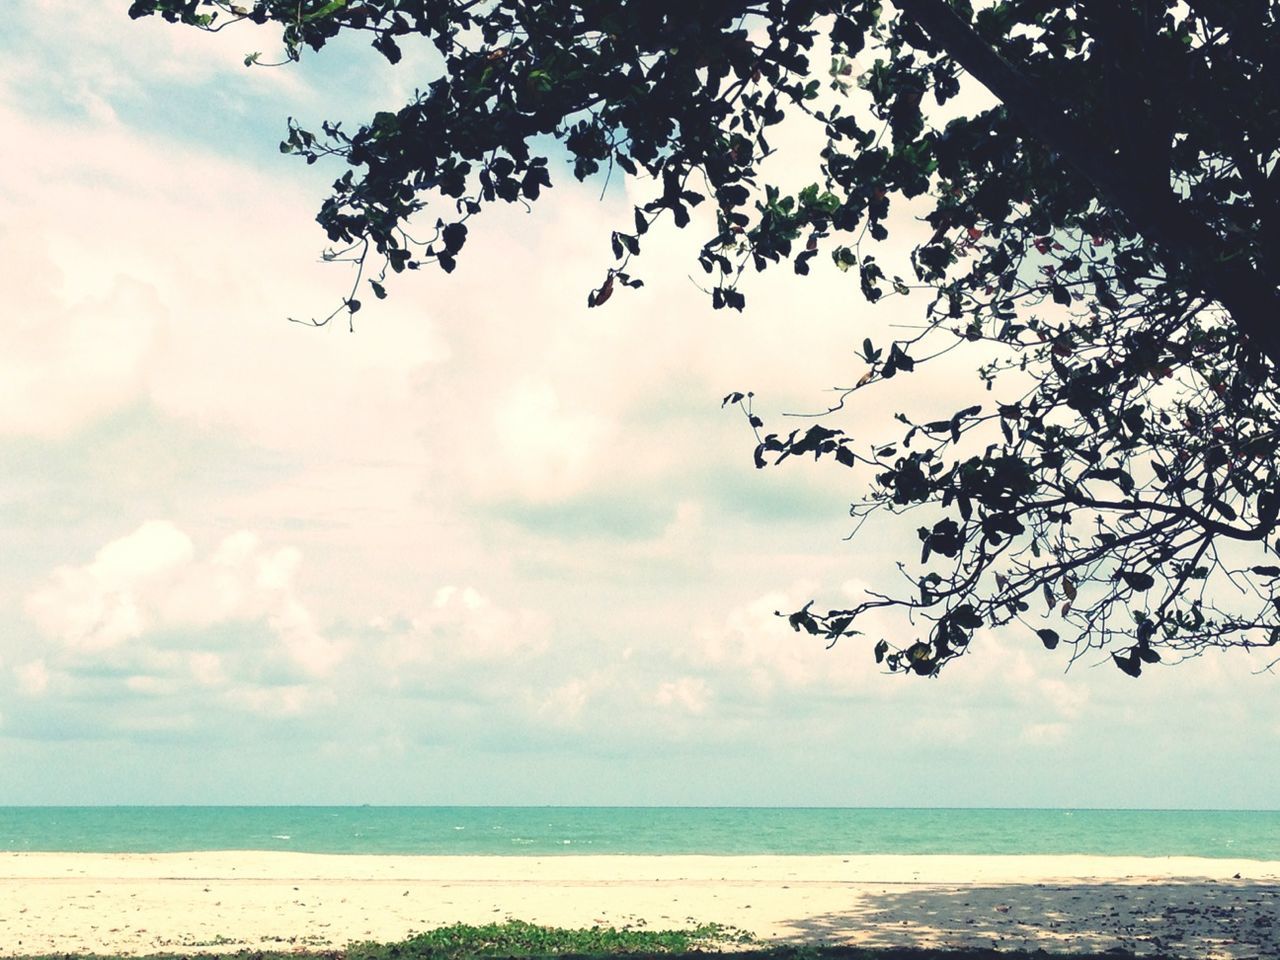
x: 515, y: 938
x: 526, y: 941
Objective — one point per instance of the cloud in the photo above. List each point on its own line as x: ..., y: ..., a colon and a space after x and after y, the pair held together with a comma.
x: 155, y: 626
x: 490, y: 521
x: 151, y: 581
x: 69, y: 360
x: 100, y: 605
x: 750, y: 661
x: 691, y: 694
x: 95, y: 82
x: 545, y: 447
x: 144, y: 288
x: 460, y: 627
x: 33, y: 678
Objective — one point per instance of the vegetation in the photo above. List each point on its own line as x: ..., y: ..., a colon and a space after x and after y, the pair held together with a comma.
x: 511, y: 938
x: 516, y: 939
x: 1099, y: 182
x: 770, y: 953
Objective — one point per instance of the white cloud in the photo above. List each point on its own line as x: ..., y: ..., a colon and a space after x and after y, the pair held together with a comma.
x: 747, y: 642
x: 152, y: 581
x: 544, y: 451
x: 206, y: 668
x: 141, y: 287
x: 564, y: 704
x: 751, y: 656
x: 159, y: 55
x: 33, y: 678
x: 69, y: 360
x: 1045, y: 733
x: 460, y: 630
x: 100, y: 605
x: 691, y: 694
x: 287, y: 701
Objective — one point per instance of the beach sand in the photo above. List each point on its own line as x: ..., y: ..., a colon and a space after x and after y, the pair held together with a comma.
x: 139, y: 903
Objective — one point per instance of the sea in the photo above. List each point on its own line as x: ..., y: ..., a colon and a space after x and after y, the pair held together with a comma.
x: 576, y: 831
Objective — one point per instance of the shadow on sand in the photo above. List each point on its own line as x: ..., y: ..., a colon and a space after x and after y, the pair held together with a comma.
x: 1179, y: 918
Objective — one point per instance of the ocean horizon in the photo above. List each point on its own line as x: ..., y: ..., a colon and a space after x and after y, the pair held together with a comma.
x: 575, y: 831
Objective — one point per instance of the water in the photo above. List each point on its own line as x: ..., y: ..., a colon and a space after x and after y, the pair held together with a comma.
x: 542, y: 831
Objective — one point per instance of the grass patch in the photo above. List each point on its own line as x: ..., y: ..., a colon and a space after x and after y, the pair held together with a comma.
x: 516, y: 938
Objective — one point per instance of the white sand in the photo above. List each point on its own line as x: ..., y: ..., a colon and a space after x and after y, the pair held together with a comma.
x: 55, y: 903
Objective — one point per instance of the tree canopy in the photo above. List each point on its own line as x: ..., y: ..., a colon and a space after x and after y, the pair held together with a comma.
x: 1101, y: 185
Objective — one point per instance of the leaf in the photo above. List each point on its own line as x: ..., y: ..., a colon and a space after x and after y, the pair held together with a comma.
x: 1138, y: 581
x: 919, y: 651
x: 722, y: 297
x: 379, y: 290
x: 1048, y: 637
x: 920, y: 655
x: 898, y: 357
x: 331, y: 7
x: 386, y: 45
x: 837, y: 627
x: 598, y: 297
x: 1130, y: 663
x: 454, y: 236
x: 802, y: 618
x: 881, y: 649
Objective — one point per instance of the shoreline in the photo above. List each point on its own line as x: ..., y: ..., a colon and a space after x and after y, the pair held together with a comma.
x: 229, y: 900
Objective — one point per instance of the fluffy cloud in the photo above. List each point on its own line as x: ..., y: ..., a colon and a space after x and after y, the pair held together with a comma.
x: 460, y: 627
x: 154, y: 625
x: 151, y: 581
x: 70, y: 359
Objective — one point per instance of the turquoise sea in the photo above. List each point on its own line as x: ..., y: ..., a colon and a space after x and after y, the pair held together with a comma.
x: 542, y: 831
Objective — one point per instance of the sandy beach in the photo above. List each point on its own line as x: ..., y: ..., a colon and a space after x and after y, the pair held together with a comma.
x: 139, y: 903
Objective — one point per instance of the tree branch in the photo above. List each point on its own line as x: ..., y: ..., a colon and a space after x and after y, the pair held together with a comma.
x: 1250, y: 297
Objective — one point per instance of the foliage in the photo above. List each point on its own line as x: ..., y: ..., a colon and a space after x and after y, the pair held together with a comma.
x: 1103, y: 242
x: 758, y: 952
x: 516, y: 938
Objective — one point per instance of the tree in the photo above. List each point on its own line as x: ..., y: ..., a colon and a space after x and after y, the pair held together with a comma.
x: 1103, y: 235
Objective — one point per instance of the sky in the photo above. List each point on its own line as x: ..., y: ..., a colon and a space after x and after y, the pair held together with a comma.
x: 490, y: 547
